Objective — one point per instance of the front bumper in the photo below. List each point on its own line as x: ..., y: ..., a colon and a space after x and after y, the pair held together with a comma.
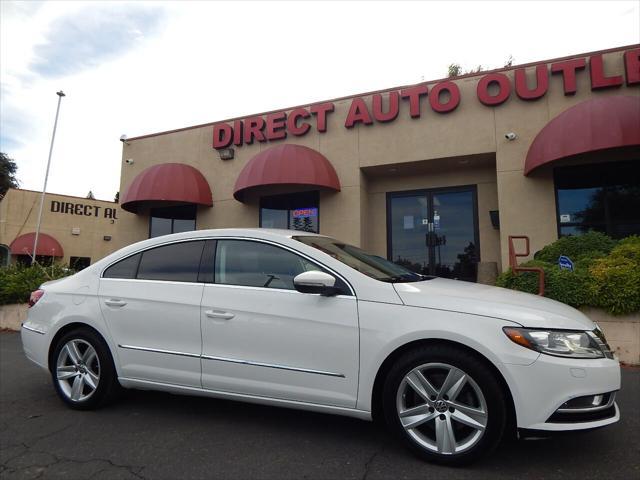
x: 541, y: 389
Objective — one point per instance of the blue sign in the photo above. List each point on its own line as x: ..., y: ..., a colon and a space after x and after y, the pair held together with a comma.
x: 565, y: 263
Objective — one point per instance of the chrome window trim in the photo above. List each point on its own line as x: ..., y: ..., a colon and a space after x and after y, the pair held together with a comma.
x: 232, y: 360
x: 273, y: 290
x: 32, y: 329
x: 145, y: 280
x: 151, y: 247
x: 261, y: 240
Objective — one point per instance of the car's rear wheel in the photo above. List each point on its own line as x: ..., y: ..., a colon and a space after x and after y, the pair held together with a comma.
x: 445, y: 404
x: 82, y: 370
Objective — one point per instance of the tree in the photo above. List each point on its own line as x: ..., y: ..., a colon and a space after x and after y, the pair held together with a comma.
x: 8, y: 170
x: 509, y: 61
x: 117, y: 197
x: 454, y: 70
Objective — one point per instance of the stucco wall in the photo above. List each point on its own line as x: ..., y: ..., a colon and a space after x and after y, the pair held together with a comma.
x: 357, y: 213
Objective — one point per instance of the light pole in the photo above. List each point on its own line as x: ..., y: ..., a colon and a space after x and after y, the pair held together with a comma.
x: 46, y: 178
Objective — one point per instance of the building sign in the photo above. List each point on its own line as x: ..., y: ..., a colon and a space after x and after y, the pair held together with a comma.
x: 443, y: 97
x: 83, y: 209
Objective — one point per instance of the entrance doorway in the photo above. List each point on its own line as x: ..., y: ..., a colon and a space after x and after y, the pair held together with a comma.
x: 435, y: 232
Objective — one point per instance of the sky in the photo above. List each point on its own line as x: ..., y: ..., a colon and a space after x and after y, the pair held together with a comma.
x: 142, y: 67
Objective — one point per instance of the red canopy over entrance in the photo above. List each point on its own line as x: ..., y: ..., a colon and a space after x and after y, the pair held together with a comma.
x: 166, y: 184
x: 597, y: 124
x: 47, y: 245
x: 286, y: 165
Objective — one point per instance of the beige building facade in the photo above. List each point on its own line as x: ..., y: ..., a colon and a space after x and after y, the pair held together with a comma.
x: 435, y: 176
x: 76, y: 231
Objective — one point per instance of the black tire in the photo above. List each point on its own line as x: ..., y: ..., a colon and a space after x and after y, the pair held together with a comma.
x: 433, y: 357
x: 108, y: 388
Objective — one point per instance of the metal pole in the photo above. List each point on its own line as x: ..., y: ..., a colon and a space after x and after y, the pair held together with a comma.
x: 46, y: 178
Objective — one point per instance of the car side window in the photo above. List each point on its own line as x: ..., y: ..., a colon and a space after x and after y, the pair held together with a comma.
x: 176, y: 262
x: 127, y: 268
x: 256, y: 264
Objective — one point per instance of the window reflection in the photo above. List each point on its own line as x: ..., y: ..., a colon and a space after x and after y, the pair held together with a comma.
x: 602, y: 197
x: 296, y: 211
x: 163, y: 221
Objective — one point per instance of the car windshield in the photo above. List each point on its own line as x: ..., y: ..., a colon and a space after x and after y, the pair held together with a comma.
x: 371, y: 265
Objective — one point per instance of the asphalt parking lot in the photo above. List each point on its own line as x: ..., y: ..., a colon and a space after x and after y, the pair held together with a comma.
x: 156, y: 436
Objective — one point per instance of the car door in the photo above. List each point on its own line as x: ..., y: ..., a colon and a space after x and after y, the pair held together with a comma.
x: 151, y: 304
x: 262, y: 337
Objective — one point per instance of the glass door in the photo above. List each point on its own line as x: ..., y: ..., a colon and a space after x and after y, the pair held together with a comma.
x: 434, y: 232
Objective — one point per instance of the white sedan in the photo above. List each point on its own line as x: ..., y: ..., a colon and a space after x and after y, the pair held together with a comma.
x: 300, y: 320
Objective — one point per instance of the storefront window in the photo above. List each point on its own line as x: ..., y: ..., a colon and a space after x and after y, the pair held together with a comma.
x: 296, y: 211
x: 602, y: 197
x: 163, y: 221
x: 79, y: 263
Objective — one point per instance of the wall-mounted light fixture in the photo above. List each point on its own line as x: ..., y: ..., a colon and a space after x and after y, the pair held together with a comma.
x: 107, y: 238
x: 226, y: 153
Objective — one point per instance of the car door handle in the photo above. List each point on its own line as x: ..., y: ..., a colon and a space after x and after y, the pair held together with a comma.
x: 114, y: 302
x: 218, y: 314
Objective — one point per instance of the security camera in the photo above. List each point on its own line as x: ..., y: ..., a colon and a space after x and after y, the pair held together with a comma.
x: 510, y: 136
x: 123, y: 139
x: 129, y: 161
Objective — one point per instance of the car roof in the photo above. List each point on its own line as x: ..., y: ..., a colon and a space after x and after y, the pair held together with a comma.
x: 255, y: 233
x: 236, y: 232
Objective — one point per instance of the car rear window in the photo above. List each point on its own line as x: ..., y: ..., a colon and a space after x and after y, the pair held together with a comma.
x: 127, y: 268
x: 178, y: 262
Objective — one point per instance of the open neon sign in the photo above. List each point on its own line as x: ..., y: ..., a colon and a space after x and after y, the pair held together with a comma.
x: 305, y: 212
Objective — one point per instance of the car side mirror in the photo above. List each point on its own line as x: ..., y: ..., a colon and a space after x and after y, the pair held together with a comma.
x: 315, y: 281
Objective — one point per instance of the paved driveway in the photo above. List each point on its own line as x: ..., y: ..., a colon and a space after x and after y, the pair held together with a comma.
x: 156, y: 435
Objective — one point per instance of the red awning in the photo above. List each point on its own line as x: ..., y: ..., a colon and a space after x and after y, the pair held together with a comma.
x: 167, y: 184
x: 47, y: 245
x: 292, y: 165
x: 592, y: 125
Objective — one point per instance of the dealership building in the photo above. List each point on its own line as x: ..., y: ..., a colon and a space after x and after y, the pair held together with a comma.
x: 435, y: 176
x: 74, y: 230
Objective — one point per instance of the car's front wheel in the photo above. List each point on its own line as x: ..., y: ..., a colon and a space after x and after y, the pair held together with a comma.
x: 445, y: 403
x: 82, y: 370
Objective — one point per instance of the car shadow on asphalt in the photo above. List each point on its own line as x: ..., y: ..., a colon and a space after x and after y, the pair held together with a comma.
x: 554, y: 455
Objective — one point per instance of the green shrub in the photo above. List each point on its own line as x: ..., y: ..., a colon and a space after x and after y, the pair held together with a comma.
x: 628, y: 248
x: 576, y: 246
x: 606, y: 273
x: 17, y: 281
x: 615, y: 282
x: 562, y: 285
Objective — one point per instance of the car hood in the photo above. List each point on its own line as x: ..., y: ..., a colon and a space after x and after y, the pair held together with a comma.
x: 526, y: 309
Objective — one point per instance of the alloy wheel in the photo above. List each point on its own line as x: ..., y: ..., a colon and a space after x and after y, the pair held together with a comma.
x: 441, y: 408
x: 78, y: 370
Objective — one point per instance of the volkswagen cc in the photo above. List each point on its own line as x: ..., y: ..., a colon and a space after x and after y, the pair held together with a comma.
x: 294, y: 319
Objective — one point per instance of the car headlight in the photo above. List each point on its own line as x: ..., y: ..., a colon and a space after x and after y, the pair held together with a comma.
x: 561, y: 343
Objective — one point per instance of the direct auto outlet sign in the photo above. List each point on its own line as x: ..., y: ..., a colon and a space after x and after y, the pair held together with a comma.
x: 492, y: 89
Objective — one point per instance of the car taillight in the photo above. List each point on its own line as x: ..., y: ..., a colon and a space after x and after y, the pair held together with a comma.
x: 35, y: 296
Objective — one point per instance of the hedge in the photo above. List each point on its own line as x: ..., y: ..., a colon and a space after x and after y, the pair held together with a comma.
x: 17, y: 281
x: 606, y: 273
